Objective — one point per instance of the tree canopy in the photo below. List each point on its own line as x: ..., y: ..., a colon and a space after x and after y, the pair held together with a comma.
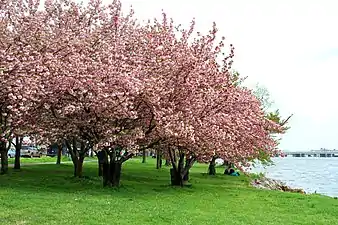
x: 92, y: 75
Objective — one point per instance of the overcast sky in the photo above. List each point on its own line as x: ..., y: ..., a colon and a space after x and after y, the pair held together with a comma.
x: 290, y: 47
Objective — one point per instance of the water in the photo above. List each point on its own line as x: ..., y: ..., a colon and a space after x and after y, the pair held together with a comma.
x: 311, y: 174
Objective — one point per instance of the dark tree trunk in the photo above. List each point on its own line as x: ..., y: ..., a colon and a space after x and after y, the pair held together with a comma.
x: 100, y: 168
x: 167, y: 162
x: 4, y: 161
x: 111, y: 171
x: 17, y: 164
x: 180, y: 173
x: 75, y: 167
x: 79, y: 167
x: 186, y: 175
x: 115, y: 173
x: 228, y: 166
x: 106, y: 173
x: 158, y: 159
x: 100, y: 161
x: 59, y: 154
x: 74, y: 160
x: 73, y: 154
x: 18, y: 145
x: 112, y: 166
x: 77, y: 156
x: 212, y: 166
x: 144, y: 157
x: 176, y: 178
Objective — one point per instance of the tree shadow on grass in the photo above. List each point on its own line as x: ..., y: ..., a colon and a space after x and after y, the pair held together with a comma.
x: 137, y: 180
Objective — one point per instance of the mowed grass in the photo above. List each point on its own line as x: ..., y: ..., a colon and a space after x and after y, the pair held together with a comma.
x: 47, y: 194
x: 45, y: 159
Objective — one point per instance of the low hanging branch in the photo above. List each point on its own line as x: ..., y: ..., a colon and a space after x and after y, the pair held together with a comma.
x: 285, y: 121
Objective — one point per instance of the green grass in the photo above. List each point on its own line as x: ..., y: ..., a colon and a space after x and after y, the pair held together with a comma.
x: 45, y: 159
x: 47, y: 194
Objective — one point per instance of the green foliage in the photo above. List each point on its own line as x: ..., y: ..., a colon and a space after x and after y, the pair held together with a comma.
x: 263, y: 95
x: 265, y: 159
x: 236, y: 78
x: 48, y: 194
x: 276, y: 117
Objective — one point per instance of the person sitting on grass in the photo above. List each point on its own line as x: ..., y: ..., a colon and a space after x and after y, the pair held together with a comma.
x: 231, y: 172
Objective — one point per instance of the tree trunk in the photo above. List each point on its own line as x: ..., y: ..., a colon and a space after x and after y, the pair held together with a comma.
x: 17, y: 164
x: 111, y: 171
x: 228, y: 166
x: 167, y: 162
x: 212, y: 166
x: 100, y: 169
x: 158, y: 159
x: 75, y: 167
x: 59, y: 154
x: 115, y: 173
x: 105, y: 173
x: 4, y: 162
x: 100, y: 161
x: 144, y: 157
x: 18, y: 145
x: 186, y: 175
x: 77, y: 156
x: 176, y: 178
x: 180, y: 173
x: 79, y: 167
x: 74, y: 160
x: 175, y: 172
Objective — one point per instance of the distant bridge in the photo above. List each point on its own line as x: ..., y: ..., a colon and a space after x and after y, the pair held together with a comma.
x: 317, y: 153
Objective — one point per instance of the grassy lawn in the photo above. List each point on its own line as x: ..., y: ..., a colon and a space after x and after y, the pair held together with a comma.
x: 45, y: 159
x: 47, y: 194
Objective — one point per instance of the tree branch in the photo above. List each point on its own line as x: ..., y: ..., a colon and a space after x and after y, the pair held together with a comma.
x: 285, y: 121
x: 125, y: 158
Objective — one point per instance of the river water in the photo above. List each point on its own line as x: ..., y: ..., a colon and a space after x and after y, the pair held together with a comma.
x: 313, y: 174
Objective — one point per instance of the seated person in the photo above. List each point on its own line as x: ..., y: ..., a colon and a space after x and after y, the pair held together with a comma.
x: 231, y: 172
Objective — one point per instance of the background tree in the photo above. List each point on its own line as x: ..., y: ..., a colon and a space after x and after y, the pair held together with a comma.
x: 18, y: 60
x: 59, y: 152
x: 18, y: 145
x: 264, y: 97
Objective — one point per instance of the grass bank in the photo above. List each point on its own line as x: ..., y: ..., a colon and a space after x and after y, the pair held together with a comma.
x: 47, y: 194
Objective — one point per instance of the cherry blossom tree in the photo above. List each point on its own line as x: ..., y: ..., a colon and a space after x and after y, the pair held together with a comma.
x: 17, y: 70
x: 5, y: 125
x: 198, y: 110
x: 263, y: 95
x: 87, y: 95
x: 95, y: 77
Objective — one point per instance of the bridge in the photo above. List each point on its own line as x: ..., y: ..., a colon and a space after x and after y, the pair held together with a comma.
x: 314, y: 153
